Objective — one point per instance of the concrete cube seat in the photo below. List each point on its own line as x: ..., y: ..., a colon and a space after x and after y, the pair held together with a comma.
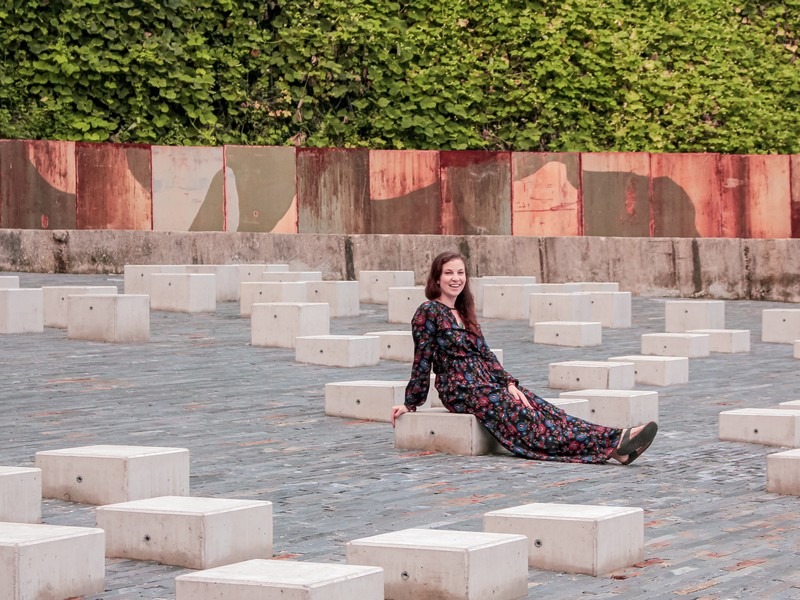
x: 568, y: 333
x: 729, y: 341
x: 768, y: 426
x: 790, y: 405
x: 612, y: 309
x: 657, y: 370
x: 780, y: 325
x: 278, y: 324
x: 282, y: 276
x: 432, y: 563
x: 476, y: 284
x: 546, y: 307
x: 575, y: 538
x: 136, y: 278
x: 797, y: 349
x: 683, y: 315
x: 395, y: 345
x: 226, y: 279
x: 114, y: 318
x: 690, y: 345
x: 338, y: 350
x: 579, y: 375
x: 107, y: 474
x: 403, y: 303
x: 439, y: 430
x: 508, y: 301
x: 50, y: 562
x: 9, y: 282
x: 282, y: 580
x: 783, y: 472
x: 183, y: 292
x: 21, y: 310
x: 369, y: 400
x: 560, y: 288
x: 186, y: 531
x: 264, y: 292
x: 597, y: 286
x: 576, y: 407
x: 56, y: 301
x: 342, y: 296
x: 20, y: 495
x: 618, y: 408
x: 373, y: 286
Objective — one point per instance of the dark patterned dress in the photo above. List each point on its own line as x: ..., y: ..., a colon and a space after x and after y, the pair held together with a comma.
x: 470, y: 379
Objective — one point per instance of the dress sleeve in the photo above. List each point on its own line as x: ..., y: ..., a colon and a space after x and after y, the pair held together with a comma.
x: 499, y: 372
x: 423, y: 329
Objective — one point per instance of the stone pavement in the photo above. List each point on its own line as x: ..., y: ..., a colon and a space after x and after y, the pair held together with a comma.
x: 254, y: 422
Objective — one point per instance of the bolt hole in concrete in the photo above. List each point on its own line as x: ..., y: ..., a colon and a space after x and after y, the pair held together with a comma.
x: 404, y: 575
x: 147, y: 537
x: 358, y: 401
x: 433, y: 433
x: 755, y: 430
x: 79, y: 479
x: 91, y: 308
x: 321, y: 351
x: 537, y: 543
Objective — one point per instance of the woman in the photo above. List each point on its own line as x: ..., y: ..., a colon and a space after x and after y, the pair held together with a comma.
x: 470, y: 379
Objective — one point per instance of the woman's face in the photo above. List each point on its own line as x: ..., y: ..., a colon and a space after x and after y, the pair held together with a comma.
x: 453, y: 278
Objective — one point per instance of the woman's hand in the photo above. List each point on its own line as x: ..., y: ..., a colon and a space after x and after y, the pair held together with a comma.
x: 398, y: 410
x: 514, y: 391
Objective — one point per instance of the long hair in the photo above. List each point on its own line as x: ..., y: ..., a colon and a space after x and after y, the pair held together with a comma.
x: 465, y: 302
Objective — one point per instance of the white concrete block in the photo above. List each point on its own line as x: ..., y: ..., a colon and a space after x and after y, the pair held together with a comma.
x: 403, y: 303
x: 56, y: 305
x: 580, y: 374
x: 790, y: 405
x: 252, y: 272
x: 439, y: 430
x: 276, y: 268
x: 183, y: 292
x: 546, y: 307
x: 226, y: 278
x: 282, y: 580
x: 690, y: 345
x: 341, y: 295
x: 136, y: 278
x: 575, y: 538
x: 797, y: 349
x: 395, y: 345
x: 20, y: 494
x: 683, y: 315
x: 184, y: 531
x: 568, y: 333
x: 783, y: 473
x: 374, y: 286
x: 370, y: 400
x: 430, y: 563
x: 596, y: 286
x: 612, y: 309
x: 261, y: 292
x: 768, y: 426
x: 657, y: 370
x: 560, y: 288
x: 729, y: 341
x: 9, y: 282
x: 576, y: 407
x: 291, y: 276
x: 508, y: 300
x: 277, y: 324
x: 338, y: 350
x: 780, y: 325
x: 619, y: 408
x: 50, y: 562
x: 476, y: 285
x: 108, y: 474
x: 21, y: 310
x: 117, y: 318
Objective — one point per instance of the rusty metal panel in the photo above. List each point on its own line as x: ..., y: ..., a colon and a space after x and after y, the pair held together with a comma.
x: 404, y: 191
x: 686, y: 195
x: 37, y: 184
x: 333, y: 190
x: 546, y: 193
x: 260, y: 189
x: 114, y: 186
x: 794, y: 162
x: 187, y: 188
x: 616, y: 193
x: 756, y: 196
x: 476, y: 192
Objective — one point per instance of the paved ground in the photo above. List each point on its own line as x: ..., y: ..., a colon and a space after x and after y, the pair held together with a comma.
x: 253, y: 420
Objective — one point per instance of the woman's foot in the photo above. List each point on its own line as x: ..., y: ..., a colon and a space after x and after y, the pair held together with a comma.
x: 633, y: 442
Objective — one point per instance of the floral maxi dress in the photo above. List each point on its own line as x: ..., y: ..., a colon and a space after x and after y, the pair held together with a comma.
x: 470, y: 379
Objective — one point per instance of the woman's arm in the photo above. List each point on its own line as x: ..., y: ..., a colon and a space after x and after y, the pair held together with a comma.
x: 423, y: 330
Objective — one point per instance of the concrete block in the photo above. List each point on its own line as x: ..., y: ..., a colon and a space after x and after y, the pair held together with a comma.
x: 56, y: 305
x: 50, y: 562
x: 618, y: 408
x: 439, y: 430
x: 21, y: 310
x: 136, y: 278
x: 596, y: 286
x: 729, y: 341
x: 790, y: 405
x: 657, y: 370
x: 783, y: 472
x: 797, y: 349
x: 277, y: 324
x: 507, y: 300
x: 117, y: 318
x: 433, y: 400
x: 546, y: 307
x: 690, y: 345
x: 575, y: 538
x: 9, y: 282
x: 276, y: 268
x: 369, y: 400
x: 20, y: 494
x: 184, y: 531
x: 579, y: 375
x: 780, y: 325
x: 403, y: 303
x: 568, y: 333
x: 612, y: 309
x: 342, y: 296
x: 432, y: 563
x: 395, y: 345
x: 108, y: 474
x: 560, y: 288
x: 768, y: 426
x: 252, y: 272
x: 282, y: 580
x: 683, y: 315
x: 281, y: 276
x: 373, y: 286
x: 338, y: 350
x: 183, y: 292
x: 226, y: 278
x: 261, y: 292
x: 577, y: 407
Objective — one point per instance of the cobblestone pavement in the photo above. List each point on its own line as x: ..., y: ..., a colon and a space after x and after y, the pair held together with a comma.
x: 254, y: 422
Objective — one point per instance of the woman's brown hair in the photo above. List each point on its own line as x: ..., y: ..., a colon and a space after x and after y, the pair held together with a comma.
x: 465, y: 302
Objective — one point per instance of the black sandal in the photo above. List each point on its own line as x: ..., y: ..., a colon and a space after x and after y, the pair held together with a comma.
x: 639, y: 443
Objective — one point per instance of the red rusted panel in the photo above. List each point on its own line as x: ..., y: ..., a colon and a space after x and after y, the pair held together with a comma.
x: 755, y: 196
x: 686, y: 195
x: 260, y: 189
x: 114, y: 186
x: 616, y: 194
x: 476, y: 192
x: 37, y: 184
x: 333, y: 190
x: 794, y: 162
x: 546, y: 193
x: 404, y: 191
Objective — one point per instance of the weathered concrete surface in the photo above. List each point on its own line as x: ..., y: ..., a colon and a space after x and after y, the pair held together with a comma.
x: 689, y: 267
